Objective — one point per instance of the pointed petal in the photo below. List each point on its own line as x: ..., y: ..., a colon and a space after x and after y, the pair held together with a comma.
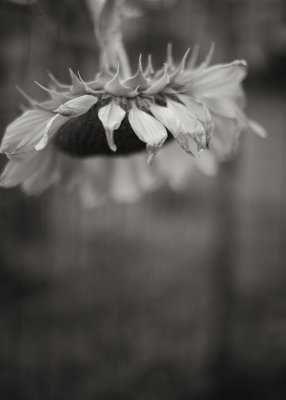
x: 92, y: 87
x: 32, y: 103
x: 111, y: 117
x: 57, y: 84
x: 77, y: 84
x: 54, y: 95
x: 208, y: 58
x: 138, y: 81
x: 148, y: 129
x: 159, y: 85
x: 170, y: 58
x: 149, y: 71
x: 194, y: 57
x: 180, y: 68
x: 116, y: 87
x: 77, y: 106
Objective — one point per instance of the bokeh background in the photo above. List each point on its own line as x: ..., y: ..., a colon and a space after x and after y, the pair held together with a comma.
x: 180, y: 295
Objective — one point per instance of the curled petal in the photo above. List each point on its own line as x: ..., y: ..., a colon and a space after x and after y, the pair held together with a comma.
x: 111, y: 117
x: 77, y: 106
x: 51, y: 129
x: 148, y: 129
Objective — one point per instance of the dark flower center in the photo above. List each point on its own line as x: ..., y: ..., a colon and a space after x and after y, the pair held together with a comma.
x: 84, y: 136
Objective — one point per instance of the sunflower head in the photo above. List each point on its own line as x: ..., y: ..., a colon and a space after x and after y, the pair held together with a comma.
x: 198, y: 106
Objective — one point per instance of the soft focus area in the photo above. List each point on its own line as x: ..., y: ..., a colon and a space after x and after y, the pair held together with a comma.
x: 180, y: 295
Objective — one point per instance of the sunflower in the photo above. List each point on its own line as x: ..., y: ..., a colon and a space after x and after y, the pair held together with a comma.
x: 83, y: 128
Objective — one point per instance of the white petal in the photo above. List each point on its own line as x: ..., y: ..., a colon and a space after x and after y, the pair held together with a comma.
x: 51, y: 129
x: 200, y: 110
x: 148, y: 129
x: 221, y: 106
x: 26, y: 129
x: 159, y: 85
x: 77, y: 106
x: 193, y: 128
x: 167, y: 118
x: 217, y: 79
x: 111, y: 117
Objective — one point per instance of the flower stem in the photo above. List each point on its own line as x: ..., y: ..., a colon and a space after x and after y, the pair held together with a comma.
x: 107, y: 16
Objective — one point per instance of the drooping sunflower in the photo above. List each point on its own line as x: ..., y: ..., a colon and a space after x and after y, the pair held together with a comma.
x: 69, y: 138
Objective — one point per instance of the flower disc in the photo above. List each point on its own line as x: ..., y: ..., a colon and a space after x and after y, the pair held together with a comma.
x: 85, y: 136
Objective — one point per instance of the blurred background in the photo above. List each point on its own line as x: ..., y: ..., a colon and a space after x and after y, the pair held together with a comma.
x: 181, y: 295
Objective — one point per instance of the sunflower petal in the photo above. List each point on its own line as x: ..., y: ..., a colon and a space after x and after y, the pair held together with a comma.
x: 26, y: 129
x: 217, y: 79
x: 116, y: 87
x: 159, y: 85
x: 77, y: 106
x: 167, y: 118
x: 138, y: 81
x: 111, y: 117
x: 148, y: 129
x: 192, y: 127
x: 52, y: 127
